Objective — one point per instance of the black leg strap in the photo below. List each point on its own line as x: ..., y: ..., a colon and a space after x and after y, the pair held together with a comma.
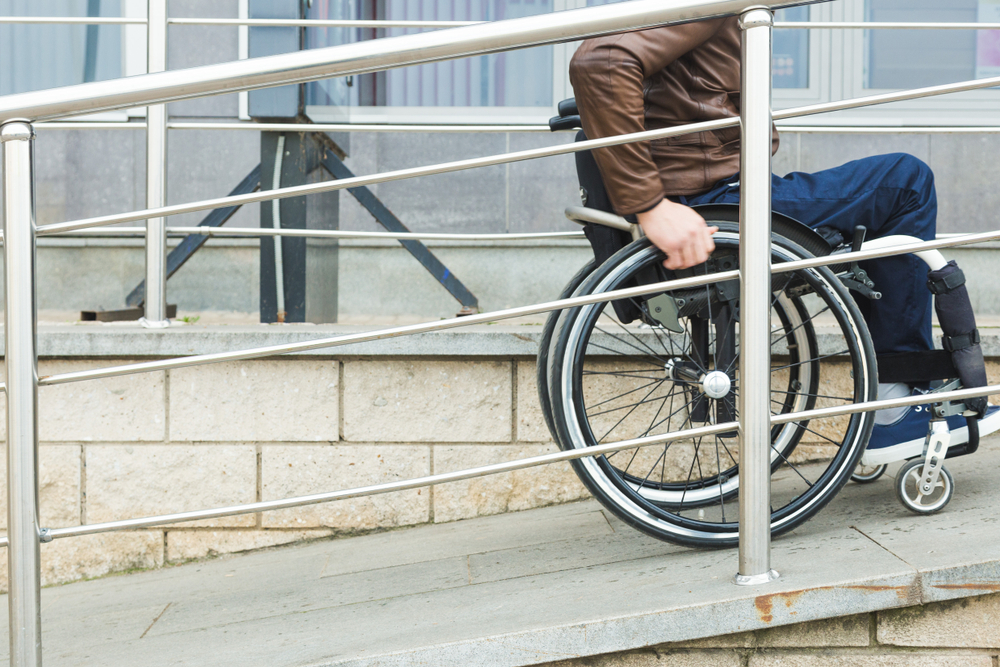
x: 916, y: 367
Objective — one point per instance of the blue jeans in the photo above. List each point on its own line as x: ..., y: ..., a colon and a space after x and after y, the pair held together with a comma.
x: 887, y: 194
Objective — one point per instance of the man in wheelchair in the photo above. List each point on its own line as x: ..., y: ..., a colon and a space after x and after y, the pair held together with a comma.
x: 676, y: 75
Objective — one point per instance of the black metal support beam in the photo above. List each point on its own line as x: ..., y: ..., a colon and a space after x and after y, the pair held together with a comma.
x: 387, y: 219
x: 186, y: 248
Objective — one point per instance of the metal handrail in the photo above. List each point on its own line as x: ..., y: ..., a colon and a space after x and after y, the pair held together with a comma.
x: 882, y: 25
x: 517, y: 156
x: 363, y: 57
x: 499, y: 315
x: 156, y: 89
x: 325, y: 23
x: 74, y: 20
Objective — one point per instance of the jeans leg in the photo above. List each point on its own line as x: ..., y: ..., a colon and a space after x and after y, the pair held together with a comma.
x: 887, y: 194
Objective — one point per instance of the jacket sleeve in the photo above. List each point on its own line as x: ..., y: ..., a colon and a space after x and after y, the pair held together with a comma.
x: 607, y: 74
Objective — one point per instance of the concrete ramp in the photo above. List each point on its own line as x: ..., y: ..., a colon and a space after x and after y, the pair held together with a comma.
x: 524, y: 588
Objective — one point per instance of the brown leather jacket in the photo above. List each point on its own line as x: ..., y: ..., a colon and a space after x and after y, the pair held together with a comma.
x: 659, y: 78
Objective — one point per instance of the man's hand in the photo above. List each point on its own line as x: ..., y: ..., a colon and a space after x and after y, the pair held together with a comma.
x: 679, y: 232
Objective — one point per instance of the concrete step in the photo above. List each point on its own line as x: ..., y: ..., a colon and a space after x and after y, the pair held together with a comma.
x: 524, y: 588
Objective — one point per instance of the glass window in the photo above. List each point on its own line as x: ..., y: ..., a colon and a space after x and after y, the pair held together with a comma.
x: 521, y: 78
x: 790, y: 63
x: 915, y: 58
x: 35, y: 57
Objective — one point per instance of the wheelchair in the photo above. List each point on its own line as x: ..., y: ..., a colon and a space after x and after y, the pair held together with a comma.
x: 669, y: 361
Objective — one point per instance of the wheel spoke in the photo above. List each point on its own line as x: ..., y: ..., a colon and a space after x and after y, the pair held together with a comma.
x: 613, y: 351
x: 809, y: 361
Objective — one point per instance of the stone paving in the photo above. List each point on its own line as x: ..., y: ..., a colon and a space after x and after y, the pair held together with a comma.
x: 525, y: 588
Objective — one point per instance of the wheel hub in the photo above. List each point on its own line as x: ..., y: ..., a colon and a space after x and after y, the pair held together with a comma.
x: 716, y: 384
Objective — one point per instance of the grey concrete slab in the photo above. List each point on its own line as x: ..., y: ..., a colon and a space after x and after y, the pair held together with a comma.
x: 83, y: 173
x: 500, y: 340
x: 525, y: 588
x: 523, y: 620
x: 964, y: 173
x: 787, y: 157
x: 540, y: 190
x: 204, y: 164
x: 468, y: 201
x: 823, y: 151
x: 194, y: 45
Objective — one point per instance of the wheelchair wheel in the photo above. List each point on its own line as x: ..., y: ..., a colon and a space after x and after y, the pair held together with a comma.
x: 867, y: 474
x: 611, y: 381
x: 915, y: 498
x: 542, y: 364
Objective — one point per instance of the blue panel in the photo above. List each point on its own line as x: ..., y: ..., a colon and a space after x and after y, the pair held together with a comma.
x: 281, y: 102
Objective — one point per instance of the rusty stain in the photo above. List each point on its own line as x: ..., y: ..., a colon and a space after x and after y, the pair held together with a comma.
x: 765, y: 603
x: 902, y: 592
x: 969, y: 587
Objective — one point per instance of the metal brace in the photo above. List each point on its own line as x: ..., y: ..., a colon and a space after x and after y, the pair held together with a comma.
x: 44, y: 535
x: 857, y: 278
x: 935, y: 449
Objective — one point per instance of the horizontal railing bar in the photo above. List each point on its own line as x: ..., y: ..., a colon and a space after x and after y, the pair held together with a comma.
x: 882, y: 25
x: 401, y: 174
x: 365, y: 57
x: 885, y: 98
x: 389, y: 487
x: 509, y: 313
x: 325, y: 23
x: 358, y: 127
x: 431, y: 128
x: 322, y: 233
x: 504, y: 158
x: 434, y: 128
x: 95, y: 125
x: 337, y: 234
x: 521, y: 311
x: 75, y: 20
x: 889, y: 129
x: 949, y: 241
x: 380, y: 334
x: 498, y: 468
x: 886, y: 403
x: 444, y: 236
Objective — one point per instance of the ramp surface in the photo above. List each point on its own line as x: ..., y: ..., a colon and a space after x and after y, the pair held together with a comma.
x: 524, y: 588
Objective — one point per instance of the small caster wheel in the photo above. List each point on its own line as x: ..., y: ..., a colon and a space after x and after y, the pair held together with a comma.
x: 916, y: 499
x: 867, y: 474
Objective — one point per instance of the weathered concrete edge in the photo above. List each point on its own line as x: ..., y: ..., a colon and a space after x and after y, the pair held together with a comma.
x: 960, y: 581
x: 752, y: 611
x: 119, y: 341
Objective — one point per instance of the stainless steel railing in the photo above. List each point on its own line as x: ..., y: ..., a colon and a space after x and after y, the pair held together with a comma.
x: 22, y: 380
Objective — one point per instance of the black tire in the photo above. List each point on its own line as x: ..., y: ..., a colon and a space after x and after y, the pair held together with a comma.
x: 907, y: 488
x: 542, y: 363
x: 867, y: 474
x: 694, y: 503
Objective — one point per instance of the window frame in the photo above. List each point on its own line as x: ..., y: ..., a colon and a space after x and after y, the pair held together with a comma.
x: 847, y: 60
x: 836, y: 72
x: 134, y: 61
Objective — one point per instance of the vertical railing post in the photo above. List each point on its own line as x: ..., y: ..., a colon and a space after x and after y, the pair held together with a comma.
x: 23, y: 531
x: 755, y: 300
x: 156, y: 174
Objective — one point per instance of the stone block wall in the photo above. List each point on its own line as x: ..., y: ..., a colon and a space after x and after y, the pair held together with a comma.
x: 233, y: 433
x: 239, y: 432
x: 956, y: 633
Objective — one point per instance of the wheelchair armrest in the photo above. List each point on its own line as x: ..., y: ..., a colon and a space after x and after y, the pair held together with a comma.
x: 568, y: 108
x: 557, y: 123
